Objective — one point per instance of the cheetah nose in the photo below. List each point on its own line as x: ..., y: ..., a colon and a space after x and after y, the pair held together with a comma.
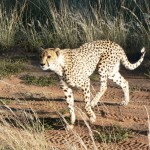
x: 42, y: 65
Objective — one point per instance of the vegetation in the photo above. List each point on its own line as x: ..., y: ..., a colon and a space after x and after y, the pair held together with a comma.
x: 21, y: 132
x: 10, y: 67
x: 6, y: 101
x: 148, y: 74
x: 112, y: 134
x: 70, y: 23
x: 94, y: 76
x: 39, y: 81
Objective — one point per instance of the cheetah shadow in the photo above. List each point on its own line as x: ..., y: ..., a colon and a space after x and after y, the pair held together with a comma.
x: 109, y: 104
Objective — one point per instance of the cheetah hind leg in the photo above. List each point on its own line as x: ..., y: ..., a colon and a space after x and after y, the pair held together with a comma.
x: 119, y: 80
x: 103, y: 88
x: 86, y: 95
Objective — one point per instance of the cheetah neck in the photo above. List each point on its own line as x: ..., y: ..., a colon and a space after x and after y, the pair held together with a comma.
x: 61, y: 60
x: 57, y: 66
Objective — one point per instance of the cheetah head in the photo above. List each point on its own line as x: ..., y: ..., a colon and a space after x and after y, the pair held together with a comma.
x: 49, y: 58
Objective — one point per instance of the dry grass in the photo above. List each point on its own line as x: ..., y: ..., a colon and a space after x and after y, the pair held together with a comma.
x: 21, y: 133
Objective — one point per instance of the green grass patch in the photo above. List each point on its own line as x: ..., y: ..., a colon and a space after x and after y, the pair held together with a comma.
x: 64, y: 111
x: 112, y: 134
x: 148, y: 74
x: 10, y: 67
x: 51, y: 123
x: 39, y: 81
x: 6, y: 101
x: 94, y: 77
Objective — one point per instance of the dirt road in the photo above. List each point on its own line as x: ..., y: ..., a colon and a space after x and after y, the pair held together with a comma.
x: 48, y: 101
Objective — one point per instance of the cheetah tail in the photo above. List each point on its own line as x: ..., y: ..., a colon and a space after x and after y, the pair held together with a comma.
x: 131, y: 66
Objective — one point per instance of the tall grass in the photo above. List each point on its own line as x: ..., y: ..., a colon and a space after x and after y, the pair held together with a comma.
x: 10, y: 24
x: 72, y: 26
x: 23, y: 131
x: 66, y: 23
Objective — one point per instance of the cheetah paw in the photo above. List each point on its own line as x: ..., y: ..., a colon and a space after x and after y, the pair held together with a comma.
x: 93, y: 104
x: 124, y: 103
x: 92, y: 119
x: 69, y: 127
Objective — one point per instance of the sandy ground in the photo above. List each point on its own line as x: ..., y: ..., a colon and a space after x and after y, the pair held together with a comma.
x: 48, y: 101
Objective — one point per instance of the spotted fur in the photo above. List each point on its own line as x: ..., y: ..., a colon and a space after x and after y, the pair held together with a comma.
x: 74, y: 66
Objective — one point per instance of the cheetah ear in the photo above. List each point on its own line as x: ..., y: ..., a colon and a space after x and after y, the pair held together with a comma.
x: 57, y: 51
x: 40, y: 49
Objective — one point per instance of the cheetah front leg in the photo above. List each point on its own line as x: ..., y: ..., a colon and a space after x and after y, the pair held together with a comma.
x: 70, y: 101
x: 86, y: 95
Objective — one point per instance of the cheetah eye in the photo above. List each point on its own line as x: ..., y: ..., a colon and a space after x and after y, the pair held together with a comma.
x: 48, y: 56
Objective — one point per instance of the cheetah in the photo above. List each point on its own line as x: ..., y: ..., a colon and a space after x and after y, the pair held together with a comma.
x: 74, y: 67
